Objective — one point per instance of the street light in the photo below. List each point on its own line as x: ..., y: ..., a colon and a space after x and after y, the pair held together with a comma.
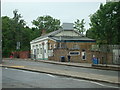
x: 0, y: 51
x: 0, y: 46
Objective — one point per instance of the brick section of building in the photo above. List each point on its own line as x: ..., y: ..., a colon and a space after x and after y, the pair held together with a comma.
x: 58, y: 53
x: 67, y: 47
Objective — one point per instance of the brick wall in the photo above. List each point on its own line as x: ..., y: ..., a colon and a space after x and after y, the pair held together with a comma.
x: 21, y: 54
x: 50, y: 42
x: 58, y: 53
x: 69, y: 47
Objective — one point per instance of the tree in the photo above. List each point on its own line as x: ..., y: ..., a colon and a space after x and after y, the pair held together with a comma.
x: 79, y: 25
x: 47, y: 23
x: 6, y: 36
x: 18, y: 25
x: 105, y: 24
x: 12, y: 29
x: 15, y: 30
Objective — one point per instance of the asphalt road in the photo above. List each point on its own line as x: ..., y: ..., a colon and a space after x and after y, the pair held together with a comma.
x: 63, y: 67
x: 14, y: 78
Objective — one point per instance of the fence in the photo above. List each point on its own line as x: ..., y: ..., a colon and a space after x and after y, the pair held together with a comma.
x: 106, y: 54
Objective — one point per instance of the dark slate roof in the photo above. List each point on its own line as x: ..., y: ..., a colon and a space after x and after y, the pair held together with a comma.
x: 54, y: 33
x: 49, y: 34
x: 52, y: 36
x: 68, y: 38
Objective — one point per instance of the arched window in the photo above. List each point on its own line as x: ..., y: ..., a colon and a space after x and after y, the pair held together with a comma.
x: 83, y: 54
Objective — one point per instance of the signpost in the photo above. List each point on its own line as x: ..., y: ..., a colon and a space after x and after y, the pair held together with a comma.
x: 18, y: 45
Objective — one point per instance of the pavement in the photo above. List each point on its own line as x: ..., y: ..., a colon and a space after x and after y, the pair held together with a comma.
x: 79, y: 75
x: 84, y: 65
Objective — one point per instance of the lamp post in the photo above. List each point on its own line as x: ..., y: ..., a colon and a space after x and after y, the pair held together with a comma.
x: 0, y: 50
x: 0, y: 42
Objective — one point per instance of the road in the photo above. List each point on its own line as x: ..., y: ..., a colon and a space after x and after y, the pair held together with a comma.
x: 63, y: 67
x: 14, y: 78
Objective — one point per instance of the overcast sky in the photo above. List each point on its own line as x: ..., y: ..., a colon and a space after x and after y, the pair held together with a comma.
x: 65, y: 11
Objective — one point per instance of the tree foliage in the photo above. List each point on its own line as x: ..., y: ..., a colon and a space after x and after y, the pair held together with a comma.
x: 79, y: 25
x: 47, y: 23
x: 15, y: 30
x: 105, y: 24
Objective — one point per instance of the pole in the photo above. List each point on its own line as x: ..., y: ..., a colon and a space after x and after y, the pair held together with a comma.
x: 0, y: 40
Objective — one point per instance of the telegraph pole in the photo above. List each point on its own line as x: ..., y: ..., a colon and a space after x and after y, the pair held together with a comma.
x: 0, y: 40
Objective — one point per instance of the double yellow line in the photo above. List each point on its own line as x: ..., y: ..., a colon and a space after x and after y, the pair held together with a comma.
x: 18, y: 66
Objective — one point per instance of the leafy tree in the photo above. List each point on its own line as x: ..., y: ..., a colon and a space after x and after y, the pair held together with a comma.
x: 15, y: 30
x: 105, y: 24
x: 11, y: 30
x: 47, y: 23
x: 18, y: 25
x: 6, y: 36
x: 79, y: 25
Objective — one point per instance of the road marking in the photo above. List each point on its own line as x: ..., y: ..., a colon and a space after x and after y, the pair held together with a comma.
x: 18, y: 66
x: 50, y: 75
x: 98, y: 83
x: 22, y: 71
x: 81, y: 80
x: 28, y: 72
x: 103, y: 84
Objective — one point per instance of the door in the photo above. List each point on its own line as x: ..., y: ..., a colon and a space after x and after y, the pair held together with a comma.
x: 35, y: 53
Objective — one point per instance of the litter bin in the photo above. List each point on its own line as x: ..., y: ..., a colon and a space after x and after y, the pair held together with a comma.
x: 95, y: 61
x: 62, y: 59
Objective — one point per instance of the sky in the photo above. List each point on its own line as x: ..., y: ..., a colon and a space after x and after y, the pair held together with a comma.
x: 67, y: 11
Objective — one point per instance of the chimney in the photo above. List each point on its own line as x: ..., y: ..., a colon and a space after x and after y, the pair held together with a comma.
x: 43, y: 32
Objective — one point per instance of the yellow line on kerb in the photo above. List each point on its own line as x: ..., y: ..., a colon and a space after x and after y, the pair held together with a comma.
x: 17, y: 66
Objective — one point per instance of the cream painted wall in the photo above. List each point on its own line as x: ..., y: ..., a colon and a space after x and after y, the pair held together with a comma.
x: 41, y: 50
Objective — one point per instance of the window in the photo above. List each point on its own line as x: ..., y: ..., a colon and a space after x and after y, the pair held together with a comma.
x: 50, y: 52
x: 83, y: 55
x: 74, y: 53
x: 36, y: 46
x: 37, y: 51
x: 59, y: 45
x: 63, y: 45
x: 40, y: 50
x: 54, y: 45
x: 39, y: 45
x: 50, y: 46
